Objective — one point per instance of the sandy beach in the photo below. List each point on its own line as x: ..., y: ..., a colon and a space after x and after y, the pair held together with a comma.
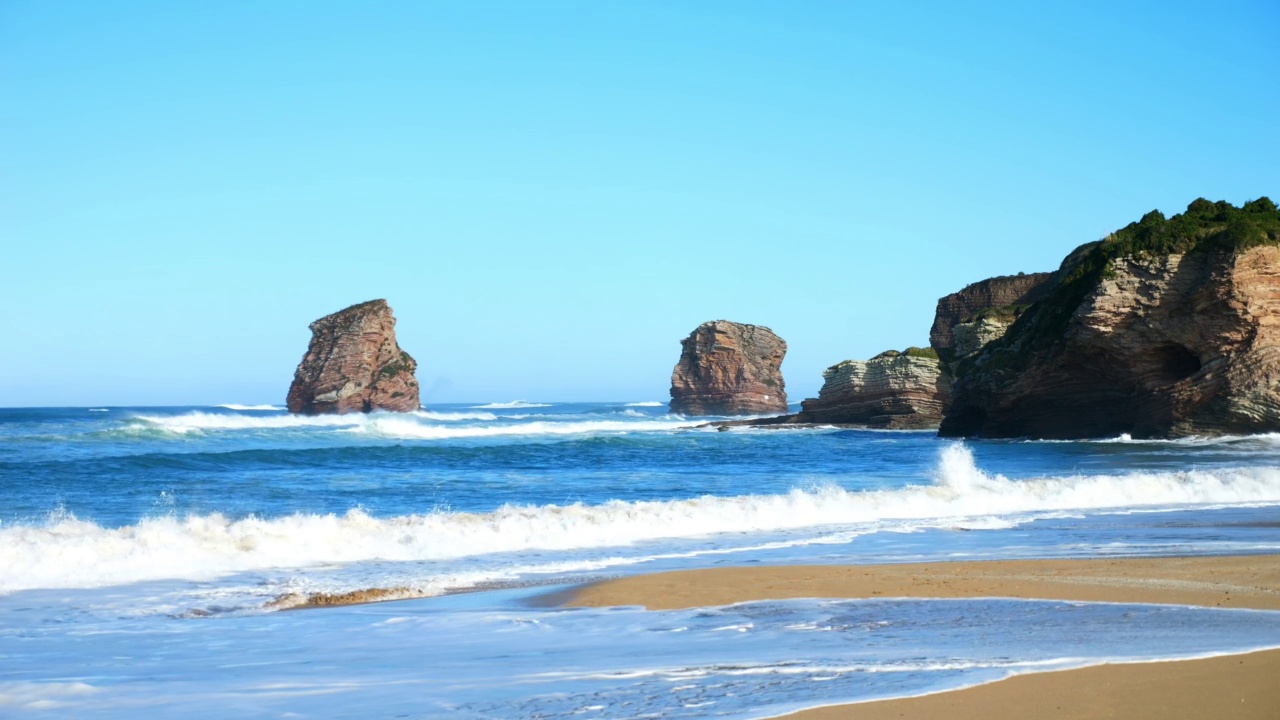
x: 1236, y: 686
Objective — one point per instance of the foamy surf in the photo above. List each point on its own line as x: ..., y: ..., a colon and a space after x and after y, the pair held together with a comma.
x: 513, y: 405
x: 249, y: 408
x: 420, y: 425
x: 68, y: 552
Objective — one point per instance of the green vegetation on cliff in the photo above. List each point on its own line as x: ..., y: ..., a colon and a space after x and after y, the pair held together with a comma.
x: 395, y: 367
x: 919, y: 352
x: 913, y: 351
x: 1204, y: 227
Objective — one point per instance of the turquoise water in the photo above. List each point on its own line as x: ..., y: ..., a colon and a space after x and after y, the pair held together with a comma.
x: 142, y: 552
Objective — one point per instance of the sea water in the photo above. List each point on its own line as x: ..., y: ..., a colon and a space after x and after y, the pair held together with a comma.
x: 148, y: 555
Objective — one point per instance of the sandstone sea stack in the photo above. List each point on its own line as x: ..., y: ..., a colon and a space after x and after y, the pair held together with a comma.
x: 354, y: 364
x: 1167, y: 327
x: 729, y: 368
x: 898, y: 390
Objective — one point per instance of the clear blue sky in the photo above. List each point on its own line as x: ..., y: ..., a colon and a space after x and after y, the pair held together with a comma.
x: 552, y: 194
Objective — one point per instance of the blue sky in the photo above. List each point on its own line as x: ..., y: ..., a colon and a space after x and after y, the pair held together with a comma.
x: 551, y: 195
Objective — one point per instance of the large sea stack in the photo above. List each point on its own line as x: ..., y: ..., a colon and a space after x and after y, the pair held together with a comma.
x: 729, y: 368
x: 1168, y: 327
x: 354, y: 364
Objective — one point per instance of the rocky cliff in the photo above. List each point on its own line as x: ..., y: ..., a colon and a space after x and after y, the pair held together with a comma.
x: 354, y: 364
x: 979, y: 313
x: 1165, y: 328
x: 892, y: 390
x: 729, y: 368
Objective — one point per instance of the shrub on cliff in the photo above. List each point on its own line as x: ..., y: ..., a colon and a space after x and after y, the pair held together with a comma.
x: 1205, y: 226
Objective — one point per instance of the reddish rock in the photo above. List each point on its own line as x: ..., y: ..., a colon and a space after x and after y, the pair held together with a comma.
x: 729, y: 368
x: 354, y: 364
x: 990, y: 304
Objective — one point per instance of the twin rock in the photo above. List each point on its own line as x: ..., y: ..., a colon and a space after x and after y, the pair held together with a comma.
x: 1168, y: 327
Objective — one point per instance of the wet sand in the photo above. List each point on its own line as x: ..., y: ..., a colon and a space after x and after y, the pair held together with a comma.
x: 1237, y: 686
x: 1250, y: 581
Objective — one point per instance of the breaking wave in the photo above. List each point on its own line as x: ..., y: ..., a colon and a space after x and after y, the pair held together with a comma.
x: 454, y: 416
x: 513, y: 405
x: 421, y: 425
x: 1195, y: 441
x: 647, y: 403
x: 237, y: 406
x: 407, y: 429
x: 65, y: 551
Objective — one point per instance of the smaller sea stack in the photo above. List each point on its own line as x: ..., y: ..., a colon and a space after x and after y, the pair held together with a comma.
x: 354, y: 364
x: 729, y: 368
x: 895, y: 390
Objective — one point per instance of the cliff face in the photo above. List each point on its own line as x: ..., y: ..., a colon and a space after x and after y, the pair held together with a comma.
x: 892, y: 390
x: 354, y: 364
x: 729, y: 368
x: 982, y: 311
x: 1167, y: 328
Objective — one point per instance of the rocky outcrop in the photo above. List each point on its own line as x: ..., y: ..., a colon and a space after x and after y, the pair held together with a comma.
x: 981, y: 312
x: 354, y: 364
x: 892, y: 390
x: 1165, y: 328
x: 729, y: 368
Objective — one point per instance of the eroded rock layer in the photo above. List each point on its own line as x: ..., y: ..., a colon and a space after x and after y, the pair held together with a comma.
x: 983, y: 310
x: 1167, y: 328
x: 891, y: 390
x: 729, y: 368
x: 354, y: 364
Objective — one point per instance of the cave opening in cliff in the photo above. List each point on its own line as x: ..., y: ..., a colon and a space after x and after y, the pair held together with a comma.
x: 1175, y: 362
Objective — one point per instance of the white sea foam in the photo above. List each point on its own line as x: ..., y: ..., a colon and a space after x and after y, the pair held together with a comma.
x: 237, y: 406
x: 1264, y: 439
x: 454, y: 416
x: 423, y: 424
x: 99, y: 410
x: 647, y: 403
x: 513, y: 405
x: 407, y: 429
x: 197, y: 421
x: 67, y: 552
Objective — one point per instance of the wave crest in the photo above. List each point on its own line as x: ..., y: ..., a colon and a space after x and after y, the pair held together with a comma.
x: 68, y: 552
x: 513, y: 405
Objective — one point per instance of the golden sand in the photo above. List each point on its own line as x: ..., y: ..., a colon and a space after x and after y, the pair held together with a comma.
x: 1246, y: 687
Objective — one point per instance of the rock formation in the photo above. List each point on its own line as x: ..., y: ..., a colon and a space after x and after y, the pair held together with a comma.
x: 1165, y: 328
x: 895, y: 390
x: 981, y: 312
x: 729, y: 368
x: 354, y: 364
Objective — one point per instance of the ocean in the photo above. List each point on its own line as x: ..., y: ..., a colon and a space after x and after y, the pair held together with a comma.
x: 152, y: 560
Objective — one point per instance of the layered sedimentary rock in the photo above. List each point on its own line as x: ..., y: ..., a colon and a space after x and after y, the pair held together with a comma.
x: 979, y: 313
x: 729, y: 368
x: 1165, y: 328
x: 891, y: 390
x: 354, y: 364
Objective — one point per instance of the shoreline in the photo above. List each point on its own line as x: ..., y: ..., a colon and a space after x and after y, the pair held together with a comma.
x: 1242, y: 581
x: 1238, y: 686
